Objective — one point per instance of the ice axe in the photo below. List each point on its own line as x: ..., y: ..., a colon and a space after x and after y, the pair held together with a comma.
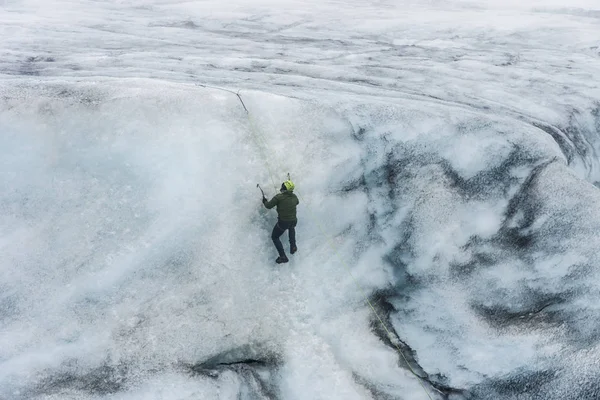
x: 263, y: 193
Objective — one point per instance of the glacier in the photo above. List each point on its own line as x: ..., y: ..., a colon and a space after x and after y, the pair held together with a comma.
x: 444, y: 153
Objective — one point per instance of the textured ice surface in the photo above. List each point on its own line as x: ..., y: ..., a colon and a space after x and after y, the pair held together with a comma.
x: 445, y: 154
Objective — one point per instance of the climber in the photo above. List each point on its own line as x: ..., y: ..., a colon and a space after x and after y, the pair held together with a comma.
x: 286, y: 202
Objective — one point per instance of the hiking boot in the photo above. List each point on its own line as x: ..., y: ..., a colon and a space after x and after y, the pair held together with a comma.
x: 293, y: 249
x: 280, y: 260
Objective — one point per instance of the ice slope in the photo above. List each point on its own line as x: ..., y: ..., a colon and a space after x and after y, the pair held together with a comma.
x: 445, y: 158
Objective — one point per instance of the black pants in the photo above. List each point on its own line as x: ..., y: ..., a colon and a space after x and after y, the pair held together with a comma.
x: 278, y: 230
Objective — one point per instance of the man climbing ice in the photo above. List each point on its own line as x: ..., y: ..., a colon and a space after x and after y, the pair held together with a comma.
x: 286, y: 203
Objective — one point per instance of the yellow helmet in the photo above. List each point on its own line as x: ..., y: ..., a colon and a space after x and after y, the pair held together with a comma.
x: 289, y: 185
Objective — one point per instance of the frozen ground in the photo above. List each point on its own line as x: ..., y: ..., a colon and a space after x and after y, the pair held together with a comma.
x: 445, y: 154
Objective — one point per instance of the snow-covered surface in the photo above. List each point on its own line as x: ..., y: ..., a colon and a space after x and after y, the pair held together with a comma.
x: 444, y: 152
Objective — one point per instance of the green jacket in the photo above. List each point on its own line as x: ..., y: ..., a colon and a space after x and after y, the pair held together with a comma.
x: 286, y: 203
